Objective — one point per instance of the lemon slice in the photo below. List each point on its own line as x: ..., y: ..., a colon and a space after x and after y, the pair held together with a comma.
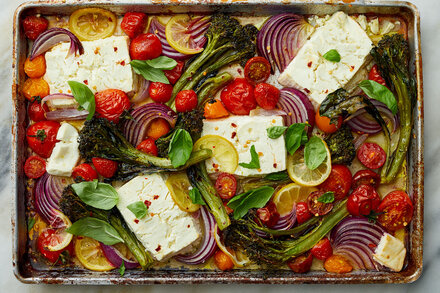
x: 61, y: 238
x: 178, y: 35
x: 239, y: 259
x: 178, y: 185
x: 90, y: 24
x: 223, y: 152
x: 300, y: 174
x: 290, y: 194
x: 89, y: 253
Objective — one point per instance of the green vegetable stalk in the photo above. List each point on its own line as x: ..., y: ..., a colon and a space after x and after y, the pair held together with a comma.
x: 211, y: 86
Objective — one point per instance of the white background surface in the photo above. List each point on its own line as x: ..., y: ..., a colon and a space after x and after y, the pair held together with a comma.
x: 430, y: 279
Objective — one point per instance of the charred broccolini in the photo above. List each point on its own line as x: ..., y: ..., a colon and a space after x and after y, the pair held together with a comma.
x: 341, y: 146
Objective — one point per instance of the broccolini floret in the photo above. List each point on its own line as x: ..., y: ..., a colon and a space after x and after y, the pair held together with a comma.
x: 341, y: 146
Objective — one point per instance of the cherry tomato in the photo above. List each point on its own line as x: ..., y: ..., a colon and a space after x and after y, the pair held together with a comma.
x: 266, y: 95
x: 223, y: 261
x: 366, y: 177
x: 145, y: 47
x: 324, y: 124
x: 226, y: 185
x: 35, y: 87
x: 339, y: 181
x: 34, y: 26
x: 371, y: 155
x: 134, y: 23
x: 111, y: 103
x: 257, y: 70
x: 268, y: 215
x: 84, y: 171
x: 37, y: 112
x: 107, y: 168
x: 337, y: 264
x: 34, y: 167
x: 302, y: 212
x: 35, y: 68
x: 363, y: 200
x: 375, y: 75
x: 43, y: 241
x: 323, y: 249
x: 174, y: 74
x: 238, y: 97
x: 214, y: 109
x: 148, y: 146
x: 157, y: 128
x: 160, y: 92
x: 395, y: 210
x: 186, y: 101
x: 41, y: 137
x: 316, y: 207
x: 301, y: 264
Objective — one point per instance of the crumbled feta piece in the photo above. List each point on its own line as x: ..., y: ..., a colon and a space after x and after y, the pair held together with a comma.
x: 166, y: 230
x: 374, y: 26
x: 65, y: 154
x: 362, y: 21
x: 390, y: 252
x: 62, y: 103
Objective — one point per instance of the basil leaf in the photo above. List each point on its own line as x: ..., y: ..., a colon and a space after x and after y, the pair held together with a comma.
x: 255, y: 160
x: 180, y: 149
x: 379, y: 92
x: 196, y: 197
x: 96, y: 194
x: 327, y: 197
x: 148, y: 72
x: 122, y: 268
x: 96, y: 229
x: 275, y: 131
x: 278, y: 176
x: 138, y: 208
x: 84, y: 96
x: 314, y: 153
x: 296, y: 136
x: 256, y: 198
x: 332, y: 55
x: 162, y: 62
x: 30, y: 223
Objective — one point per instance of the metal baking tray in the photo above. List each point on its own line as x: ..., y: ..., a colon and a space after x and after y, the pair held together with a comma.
x: 21, y: 262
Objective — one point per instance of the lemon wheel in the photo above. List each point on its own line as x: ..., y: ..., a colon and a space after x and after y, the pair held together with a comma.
x: 91, y: 24
x: 178, y: 184
x: 179, y: 37
x: 290, y: 194
x: 61, y: 238
x: 89, y: 253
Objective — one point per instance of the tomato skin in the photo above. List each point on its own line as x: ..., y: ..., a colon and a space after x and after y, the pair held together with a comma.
x: 323, y: 249
x: 134, y: 23
x: 35, y: 87
x: 323, y: 123
x: 371, y: 155
x: 226, y: 186
x: 223, y: 261
x: 157, y: 128
x: 41, y: 137
x: 34, y: 167
x: 37, y: 112
x: 148, y: 146
x: 186, y: 101
x: 214, y: 109
x: 268, y: 215
x: 34, y: 26
x: 111, y: 103
x: 160, y: 92
x: 318, y: 208
x: 266, y: 95
x: 174, y: 74
x: 339, y: 181
x: 145, y: 47
x: 337, y: 264
x: 238, y: 97
x: 363, y: 200
x: 105, y: 167
x: 301, y: 264
x: 375, y: 75
x: 302, y: 212
x: 366, y: 177
x: 35, y: 68
x: 257, y: 70
x: 43, y: 241
x: 395, y: 210
x: 84, y: 171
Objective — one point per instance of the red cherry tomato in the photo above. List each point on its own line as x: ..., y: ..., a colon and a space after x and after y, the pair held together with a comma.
x: 371, y: 155
x: 111, y: 103
x: 268, y: 215
x: 395, y: 210
x: 339, y: 181
x: 36, y: 111
x: 375, y: 75
x: 134, y: 23
x: 238, y: 97
x: 148, y: 146
x: 324, y: 124
x: 322, y: 250
x: 174, y: 74
x: 301, y: 264
x: 84, y: 171
x: 34, y: 26
x: 41, y: 137
x: 316, y: 207
x: 34, y: 167
x: 366, y: 177
x: 266, y: 95
x: 43, y: 241
x: 105, y: 167
x: 302, y: 212
x: 363, y: 200
x: 226, y: 186
x: 257, y: 70
x: 186, y: 101
x: 160, y: 92
x: 145, y: 47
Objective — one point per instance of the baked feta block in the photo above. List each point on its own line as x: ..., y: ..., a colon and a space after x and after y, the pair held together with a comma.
x: 243, y: 132
x: 390, y: 252
x: 105, y: 64
x: 166, y: 230
x: 318, y: 76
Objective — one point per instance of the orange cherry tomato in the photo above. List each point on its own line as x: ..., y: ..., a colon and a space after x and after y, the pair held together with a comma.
x: 158, y: 127
x: 324, y: 124
x: 35, y: 68
x: 337, y: 264
x: 223, y: 261
x: 214, y: 109
x: 35, y: 87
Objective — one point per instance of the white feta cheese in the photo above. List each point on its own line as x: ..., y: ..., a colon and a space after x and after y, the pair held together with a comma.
x: 65, y: 154
x: 245, y: 131
x: 62, y: 103
x: 166, y: 230
x: 318, y: 76
x: 104, y: 64
x: 390, y: 252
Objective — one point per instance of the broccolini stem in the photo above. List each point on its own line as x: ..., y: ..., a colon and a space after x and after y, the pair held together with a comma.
x: 292, y: 232
x: 211, y: 86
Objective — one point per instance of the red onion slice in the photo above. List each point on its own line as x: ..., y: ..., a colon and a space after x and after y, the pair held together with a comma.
x: 67, y: 114
x: 52, y: 37
x: 56, y: 97
x: 115, y: 257
x: 358, y: 141
x: 298, y: 107
x: 143, y: 92
x: 284, y: 223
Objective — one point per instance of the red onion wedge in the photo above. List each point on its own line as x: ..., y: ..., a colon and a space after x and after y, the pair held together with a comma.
x: 52, y: 37
x: 115, y: 257
x: 356, y: 239
x: 263, y: 112
x: 67, y: 114
x: 284, y: 223
x: 56, y: 97
x: 208, y: 245
x: 358, y: 141
x: 297, y: 106
x: 143, y: 91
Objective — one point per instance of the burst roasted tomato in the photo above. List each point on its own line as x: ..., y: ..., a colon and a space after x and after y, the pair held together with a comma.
x: 339, y: 181
x: 302, y: 212
x: 395, y: 210
x: 41, y: 137
x: 34, y: 26
x: 266, y: 95
x: 43, y: 242
x: 145, y: 47
x: 337, y: 264
x: 174, y: 74
x: 105, y: 167
x: 160, y: 92
x: 268, y: 215
x: 301, y: 264
x: 324, y: 124
x: 257, y: 70
x: 371, y: 155
x: 238, y: 97
x: 223, y: 261
x: 134, y: 23
x: 363, y: 200
x: 84, y: 171
x: 375, y: 75
x: 37, y: 112
x: 366, y: 177
x: 323, y: 249
x: 111, y: 103
x: 226, y: 186
x: 34, y: 167
x: 186, y: 101
x: 316, y: 207
x: 148, y: 146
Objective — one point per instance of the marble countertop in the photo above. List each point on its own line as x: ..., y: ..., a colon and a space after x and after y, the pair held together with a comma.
x: 428, y: 282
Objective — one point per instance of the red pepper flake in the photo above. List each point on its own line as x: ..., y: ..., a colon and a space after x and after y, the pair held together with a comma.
x: 79, y: 237
x: 158, y: 248
x: 110, y: 19
x: 307, y: 90
x: 136, y: 221
x: 188, y: 226
x: 309, y: 64
x: 152, y: 214
x: 77, y: 62
x: 233, y: 125
x: 239, y: 71
x: 123, y: 62
x: 326, y: 91
x: 86, y: 82
x: 115, y: 49
x: 372, y: 245
x: 156, y: 196
x: 147, y: 203
x: 275, y: 165
x: 214, y: 165
x: 233, y: 134
x: 351, y: 68
x: 97, y: 50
